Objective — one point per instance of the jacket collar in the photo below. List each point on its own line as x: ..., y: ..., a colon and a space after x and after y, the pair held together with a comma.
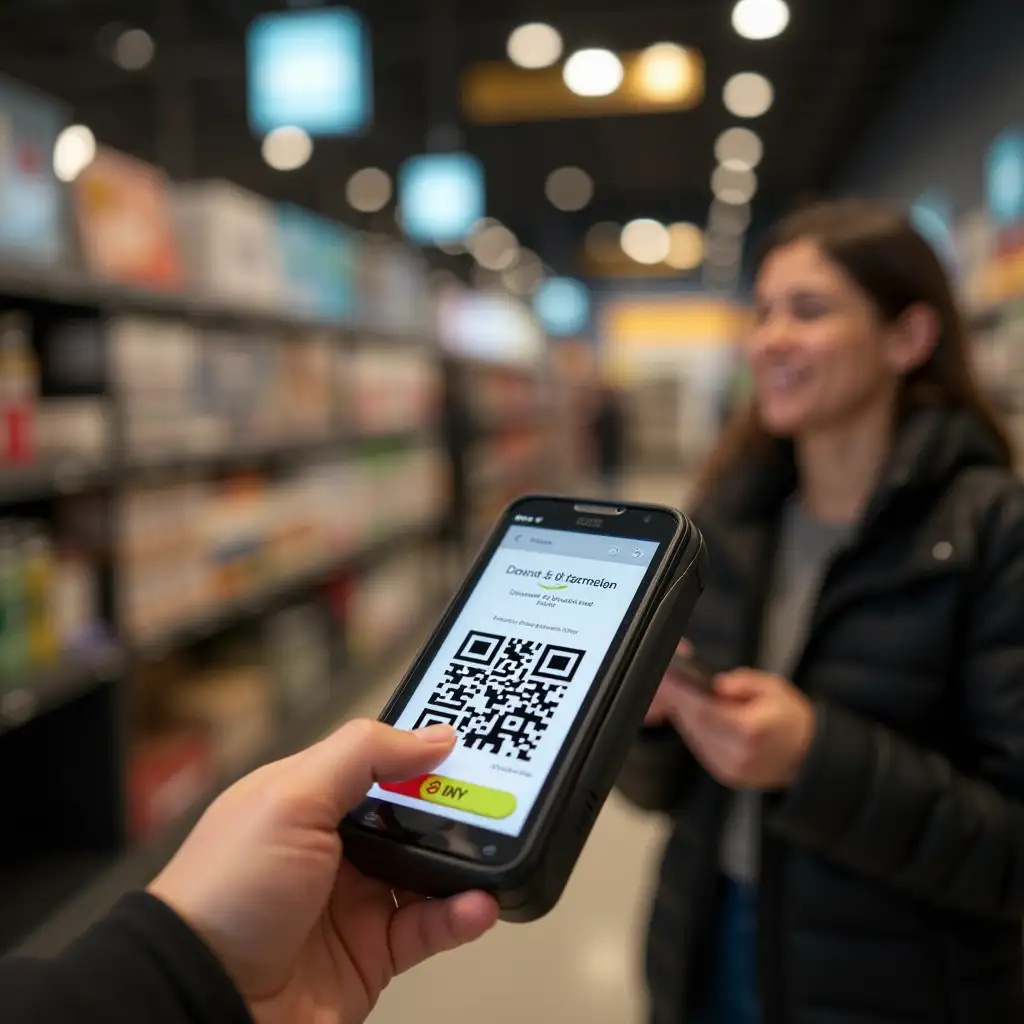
x: 933, y: 444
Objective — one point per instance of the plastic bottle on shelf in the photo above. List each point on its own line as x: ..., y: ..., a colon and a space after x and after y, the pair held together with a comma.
x: 19, y: 388
x: 13, y: 640
x: 38, y: 570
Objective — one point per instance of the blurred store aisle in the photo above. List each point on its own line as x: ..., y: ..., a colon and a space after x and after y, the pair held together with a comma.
x: 582, y: 962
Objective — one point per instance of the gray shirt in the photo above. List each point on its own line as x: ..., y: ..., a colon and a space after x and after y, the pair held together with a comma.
x: 805, y: 548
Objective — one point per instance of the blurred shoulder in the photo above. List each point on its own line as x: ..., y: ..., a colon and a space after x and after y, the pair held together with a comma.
x: 993, y: 496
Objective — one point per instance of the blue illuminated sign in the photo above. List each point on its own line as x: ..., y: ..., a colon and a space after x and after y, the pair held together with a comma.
x: 1004, y: 177
x: 562, y: 305
x: 310, y: 70
x: 440, y: 196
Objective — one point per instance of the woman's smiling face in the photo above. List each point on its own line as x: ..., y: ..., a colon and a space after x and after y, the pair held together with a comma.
x: 818, y: 351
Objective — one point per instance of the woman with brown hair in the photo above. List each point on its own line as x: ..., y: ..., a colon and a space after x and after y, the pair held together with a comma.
x: 848, y: 797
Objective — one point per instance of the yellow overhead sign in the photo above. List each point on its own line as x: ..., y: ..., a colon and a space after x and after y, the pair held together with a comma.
x: 496, y: 92
x: 679, y: 322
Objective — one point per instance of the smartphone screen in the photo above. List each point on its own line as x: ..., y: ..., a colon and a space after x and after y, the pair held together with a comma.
x: 517, y: 665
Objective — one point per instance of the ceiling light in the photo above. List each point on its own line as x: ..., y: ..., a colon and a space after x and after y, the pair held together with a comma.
x: 728, y: 218
x: 133, y: 49
x: 369, y: 190
x: 733, y: 187
x: 645, y: 241
x: 496, y: 248
x: 534, y: 46
x: 739, y: 149
x: 593, y: 73
x: 73, y: 151
x: 686, y: 246
x: 603, y: 242
x: 569, y: 188
x: 748, y: 94
x: 287, y: 148
x: 665, y: 72
x: 760, y: 19
x: 562, y: 304
x: 526, y: 276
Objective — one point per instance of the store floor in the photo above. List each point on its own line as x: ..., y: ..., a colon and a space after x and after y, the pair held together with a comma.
x: 581, y: 962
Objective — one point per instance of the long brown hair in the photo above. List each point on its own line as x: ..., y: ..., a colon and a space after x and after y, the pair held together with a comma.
x: 896, y: 268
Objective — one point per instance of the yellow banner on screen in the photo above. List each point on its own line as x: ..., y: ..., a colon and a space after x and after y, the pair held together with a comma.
x: 496, y: 92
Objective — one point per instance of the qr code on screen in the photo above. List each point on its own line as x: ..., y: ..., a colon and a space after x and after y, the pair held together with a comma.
x: 501, y: 692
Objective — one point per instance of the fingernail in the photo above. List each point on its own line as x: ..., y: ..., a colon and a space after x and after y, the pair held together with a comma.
x: 438, y: 733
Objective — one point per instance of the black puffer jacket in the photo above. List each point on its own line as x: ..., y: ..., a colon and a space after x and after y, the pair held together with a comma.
x: 892, y: 886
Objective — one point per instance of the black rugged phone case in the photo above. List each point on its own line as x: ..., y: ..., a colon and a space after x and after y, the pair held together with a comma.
x: 530, y: 886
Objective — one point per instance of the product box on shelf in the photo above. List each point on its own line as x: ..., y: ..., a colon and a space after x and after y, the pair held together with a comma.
x: 319, y: 263
x: 19, y: 389
x: 125, y: 222
x: 384, y: 605
x: 298, y: 652
x: 305, y: 393
x: 162, y: 577
x: 394, y: 297
x: 153, y: 365
x: 31, y: 198
x: 232, y: 706
x: 168, y: 773
x: 76, y: 429
x: 229, y: 239
x: 392, y: 390
x: 49, y: 600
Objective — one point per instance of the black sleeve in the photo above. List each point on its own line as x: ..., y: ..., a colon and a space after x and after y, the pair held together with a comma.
x: 872, y: 801
x: 141, y: 963
x: 658, y: 770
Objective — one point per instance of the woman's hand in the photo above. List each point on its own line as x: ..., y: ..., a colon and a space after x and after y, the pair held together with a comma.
x: 753, y: 732
x: 306, y: 937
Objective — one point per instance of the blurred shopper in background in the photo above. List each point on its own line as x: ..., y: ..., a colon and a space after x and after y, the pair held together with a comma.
x: 608, y: 434
x: 458, y: 432
x: 849, y: 810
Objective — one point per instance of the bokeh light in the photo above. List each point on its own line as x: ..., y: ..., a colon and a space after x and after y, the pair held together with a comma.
x: 593, y: 73
x: 748, y: 94
x: 732, y: 186
x: 287, y: 148
x: 665, y: 72
x: 760, y: 19
x: 686, y: 246
x: 569, y: 188
x: 645, y: 241
x: 73, y: 151
x: 369, y: 190
x: 534, y: 46
x: 739, y: 149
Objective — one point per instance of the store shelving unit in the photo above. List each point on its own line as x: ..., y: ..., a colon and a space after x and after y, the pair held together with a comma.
x: 65, y: 729
x: 102, y: 880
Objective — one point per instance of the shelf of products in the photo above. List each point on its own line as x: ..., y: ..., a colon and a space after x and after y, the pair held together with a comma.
x: 173, y: 783
x: 220, y: 490
x: 200, y: 555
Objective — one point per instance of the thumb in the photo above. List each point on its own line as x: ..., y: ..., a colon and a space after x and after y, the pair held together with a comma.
x: 339, y: 770
x: 741, y: 684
